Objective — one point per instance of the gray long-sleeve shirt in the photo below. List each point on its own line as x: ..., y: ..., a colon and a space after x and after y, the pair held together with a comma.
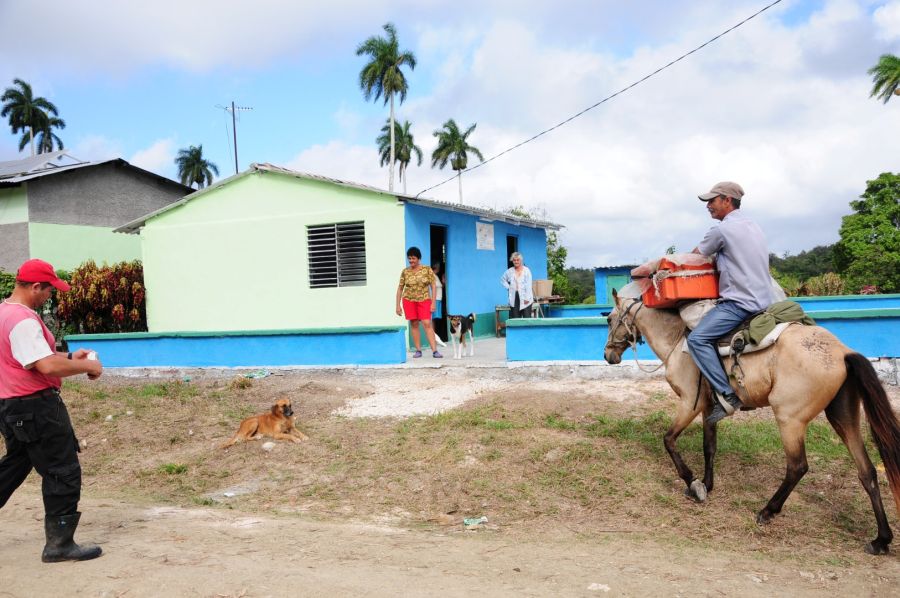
x: 742, y: 259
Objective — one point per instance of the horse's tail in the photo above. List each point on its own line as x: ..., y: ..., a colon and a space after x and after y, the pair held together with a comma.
x: 882, y: 420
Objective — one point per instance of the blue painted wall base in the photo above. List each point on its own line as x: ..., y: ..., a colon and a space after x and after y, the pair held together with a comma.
x: 352, y: 346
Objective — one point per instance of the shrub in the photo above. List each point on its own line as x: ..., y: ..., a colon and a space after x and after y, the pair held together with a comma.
x: 7, y: 283
x: 105, y: 299
x: 825, y: 285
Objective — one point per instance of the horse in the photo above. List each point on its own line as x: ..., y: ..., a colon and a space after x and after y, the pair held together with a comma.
x: 806, y: 371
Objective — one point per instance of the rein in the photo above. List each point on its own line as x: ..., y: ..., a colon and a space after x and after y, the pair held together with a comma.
x: 634, y: 336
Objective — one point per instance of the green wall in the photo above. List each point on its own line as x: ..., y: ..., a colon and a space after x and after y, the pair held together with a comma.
x: 67, y: 246
x: 13, y: 205
x: 235, y: 258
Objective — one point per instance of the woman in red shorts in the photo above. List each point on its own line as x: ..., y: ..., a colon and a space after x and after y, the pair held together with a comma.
x: 416, y: 291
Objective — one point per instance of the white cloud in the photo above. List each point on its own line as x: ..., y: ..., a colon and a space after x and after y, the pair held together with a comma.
x: 887, y: 18
x: 158, y: 158
x: 782, y: 109
x: 96, y: 148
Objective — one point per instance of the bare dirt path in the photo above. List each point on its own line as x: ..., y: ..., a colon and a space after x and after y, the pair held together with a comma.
x: 169, y: 551
x: 316, y: 522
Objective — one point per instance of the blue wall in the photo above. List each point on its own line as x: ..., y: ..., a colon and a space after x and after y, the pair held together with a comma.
x: 601, y: 282
x: 569, y: 339
x: 814, y: 304
x: 276, y: 348
x: 473, y: 275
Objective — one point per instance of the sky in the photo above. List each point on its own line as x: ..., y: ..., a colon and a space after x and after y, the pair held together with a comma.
x: 781, y: 105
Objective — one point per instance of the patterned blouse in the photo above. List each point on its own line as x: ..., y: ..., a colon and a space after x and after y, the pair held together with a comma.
x: 415, y: 283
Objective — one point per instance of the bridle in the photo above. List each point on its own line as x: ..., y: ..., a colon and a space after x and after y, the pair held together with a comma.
x: 633, y: 335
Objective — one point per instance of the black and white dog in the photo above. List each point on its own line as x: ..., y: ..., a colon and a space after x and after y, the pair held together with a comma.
x: 459, y: 327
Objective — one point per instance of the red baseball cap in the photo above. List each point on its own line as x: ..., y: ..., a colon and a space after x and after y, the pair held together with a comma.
x: 41, y: 271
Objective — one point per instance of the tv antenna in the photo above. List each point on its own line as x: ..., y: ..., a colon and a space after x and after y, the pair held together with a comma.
x: 234, y: 109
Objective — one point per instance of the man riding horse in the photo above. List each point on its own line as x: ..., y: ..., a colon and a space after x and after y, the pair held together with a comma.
x: 745, y: 288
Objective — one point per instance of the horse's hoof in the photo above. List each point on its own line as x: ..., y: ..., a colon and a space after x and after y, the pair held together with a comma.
x: 764, y: 517
x: 875, y: 547
x: 697, y: 491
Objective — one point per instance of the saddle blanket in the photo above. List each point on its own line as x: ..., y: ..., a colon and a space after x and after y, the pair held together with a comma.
x: 765, y: 343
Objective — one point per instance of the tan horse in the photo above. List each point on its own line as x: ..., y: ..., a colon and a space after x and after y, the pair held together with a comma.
x: 807, y: 371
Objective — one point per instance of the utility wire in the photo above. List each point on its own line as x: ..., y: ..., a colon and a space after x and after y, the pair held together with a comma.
x: 604, y: 100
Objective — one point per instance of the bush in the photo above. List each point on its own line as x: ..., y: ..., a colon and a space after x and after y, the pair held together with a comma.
x: 105, y: 299
x: 7, y: 283
x: 826, y: 285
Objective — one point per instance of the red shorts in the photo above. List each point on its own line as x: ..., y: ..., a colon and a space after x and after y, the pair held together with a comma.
x: 417, y: 310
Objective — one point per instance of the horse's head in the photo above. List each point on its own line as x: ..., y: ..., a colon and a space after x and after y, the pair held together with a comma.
x: 623, y: 331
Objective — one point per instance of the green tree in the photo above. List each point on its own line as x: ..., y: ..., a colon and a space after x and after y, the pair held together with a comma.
x: 806, y: 264
x: 453, y: 146
x: 28, y: 114
x: 885, y: 78
x: 383, y: 76
x: 404, y: 147
x: 869, y: 250
x: 194, y: 168
x: 46, y: 138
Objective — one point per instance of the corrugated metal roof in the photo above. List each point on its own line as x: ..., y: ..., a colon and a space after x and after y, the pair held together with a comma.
x: 39, y: 164
x: 484, y: 213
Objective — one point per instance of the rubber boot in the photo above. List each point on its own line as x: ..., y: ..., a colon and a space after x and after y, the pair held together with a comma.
x: 60, y: 545
x: 719, y: 411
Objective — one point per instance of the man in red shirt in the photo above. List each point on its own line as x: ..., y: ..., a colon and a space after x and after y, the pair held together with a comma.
x: 34, y: 421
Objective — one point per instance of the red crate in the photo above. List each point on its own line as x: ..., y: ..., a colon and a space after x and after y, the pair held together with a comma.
x: 680, y: 288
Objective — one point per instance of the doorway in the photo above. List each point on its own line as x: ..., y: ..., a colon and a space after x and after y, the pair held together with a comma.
x: 439, y: 260
x: 512, y: 246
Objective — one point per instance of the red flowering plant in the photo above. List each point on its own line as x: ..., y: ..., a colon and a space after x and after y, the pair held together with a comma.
x: 105, y: 299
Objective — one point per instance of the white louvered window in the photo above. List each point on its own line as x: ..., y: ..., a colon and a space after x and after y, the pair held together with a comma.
x: 337, y: 255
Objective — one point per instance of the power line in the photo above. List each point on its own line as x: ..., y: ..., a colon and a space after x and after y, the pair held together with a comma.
x: 606, y: 99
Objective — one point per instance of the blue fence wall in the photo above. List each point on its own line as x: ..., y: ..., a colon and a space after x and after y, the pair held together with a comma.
x: 872, y: 332
x: 350, y: 346
x: 473, y: 275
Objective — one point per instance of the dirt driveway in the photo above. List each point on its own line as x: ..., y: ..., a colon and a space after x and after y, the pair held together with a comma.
x: 325, y: 528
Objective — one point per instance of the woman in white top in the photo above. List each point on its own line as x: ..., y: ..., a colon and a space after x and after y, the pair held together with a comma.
x: 438, y: 321
x: 517, y: 280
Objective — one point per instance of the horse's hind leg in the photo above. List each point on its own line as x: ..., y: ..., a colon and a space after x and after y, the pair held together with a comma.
x: 793, y: 437
x: 843, y: 414
x: 684, y: 416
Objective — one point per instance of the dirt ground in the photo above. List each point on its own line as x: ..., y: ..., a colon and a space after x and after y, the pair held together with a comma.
x: 565, y: 464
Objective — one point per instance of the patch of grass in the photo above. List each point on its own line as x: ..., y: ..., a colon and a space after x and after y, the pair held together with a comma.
x: 203, y: 501
x: 172, y: 468
x: 555, y: 421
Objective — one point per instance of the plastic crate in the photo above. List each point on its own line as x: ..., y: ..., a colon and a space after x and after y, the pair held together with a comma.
x: 673, y: 289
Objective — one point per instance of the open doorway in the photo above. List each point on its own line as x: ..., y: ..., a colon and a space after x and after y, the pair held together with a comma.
x: 439, y: 263
x: 512, y: 246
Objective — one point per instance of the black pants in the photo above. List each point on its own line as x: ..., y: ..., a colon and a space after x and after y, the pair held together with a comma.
x: 518, y: 312
x: 39, y: 435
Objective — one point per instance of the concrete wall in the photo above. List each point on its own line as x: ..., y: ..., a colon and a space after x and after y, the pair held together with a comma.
x: 473, y: 275
x: 67, y: 246
x: 344, y: 346
x: 107, y: 195
x: 235, y: 258
x: 13, y: 205
x: 13, y: 246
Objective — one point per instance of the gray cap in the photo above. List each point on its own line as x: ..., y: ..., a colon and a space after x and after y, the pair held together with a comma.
x: 726, y: 188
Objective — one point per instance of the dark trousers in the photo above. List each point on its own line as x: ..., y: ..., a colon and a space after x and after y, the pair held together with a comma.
x: 518, y: 312
x: 39, y: 435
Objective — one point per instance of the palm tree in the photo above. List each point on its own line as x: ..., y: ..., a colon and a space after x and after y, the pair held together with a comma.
x: 46, y: 138
x: 885, y: 78
x: 194, y: 168
x: 404, y: 147
x: 382, y: 76
x: 453, y: 147
x: 26, y: 113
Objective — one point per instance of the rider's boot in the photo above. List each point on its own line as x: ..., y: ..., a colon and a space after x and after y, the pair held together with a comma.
x: 724, y: 406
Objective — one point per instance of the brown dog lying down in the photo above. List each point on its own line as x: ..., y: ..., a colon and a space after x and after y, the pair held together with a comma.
x: 278, y: 424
